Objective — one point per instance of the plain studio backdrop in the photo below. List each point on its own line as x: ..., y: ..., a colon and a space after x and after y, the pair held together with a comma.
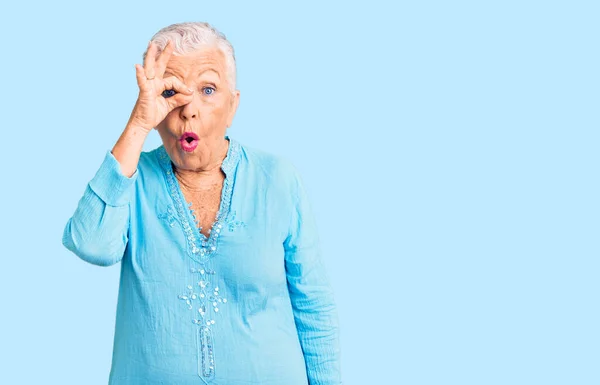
x: 450, y: 151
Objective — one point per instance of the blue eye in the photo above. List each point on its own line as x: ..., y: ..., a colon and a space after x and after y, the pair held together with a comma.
x: 205, y: 89
x: 168, y: 93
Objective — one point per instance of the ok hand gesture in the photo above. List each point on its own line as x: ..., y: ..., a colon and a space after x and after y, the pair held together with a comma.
x: 158, y: 95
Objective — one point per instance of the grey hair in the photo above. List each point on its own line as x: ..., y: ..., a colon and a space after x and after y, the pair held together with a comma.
x: 188, y: 37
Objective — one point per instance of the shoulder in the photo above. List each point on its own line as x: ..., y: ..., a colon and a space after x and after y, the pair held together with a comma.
x: 275, y: 168
x: 149, y: 166
x: 149, y: 158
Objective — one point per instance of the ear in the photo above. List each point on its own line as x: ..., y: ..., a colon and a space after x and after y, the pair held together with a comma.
x: 233, y: 105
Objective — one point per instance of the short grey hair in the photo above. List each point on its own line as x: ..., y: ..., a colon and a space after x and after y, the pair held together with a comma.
x: 188, y: 37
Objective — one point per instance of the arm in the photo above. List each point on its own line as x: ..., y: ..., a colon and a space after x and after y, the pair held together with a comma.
x: 97, y: 231
x: 312, y: 297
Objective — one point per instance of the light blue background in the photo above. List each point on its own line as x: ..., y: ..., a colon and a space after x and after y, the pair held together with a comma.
x: 450, y: 150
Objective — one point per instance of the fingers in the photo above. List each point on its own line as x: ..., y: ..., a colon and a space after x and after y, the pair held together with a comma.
x: 183, y: 94
x: 150, y: 60
x: 140, y: 76
x: 173, y: 83
x: 179, y: 100
x: 163, y: 59
x: 153, y: 67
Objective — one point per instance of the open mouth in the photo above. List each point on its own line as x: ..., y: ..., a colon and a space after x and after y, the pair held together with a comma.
x: 189, y: 141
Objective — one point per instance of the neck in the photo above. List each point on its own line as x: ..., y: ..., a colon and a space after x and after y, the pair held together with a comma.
x: 206, y: 176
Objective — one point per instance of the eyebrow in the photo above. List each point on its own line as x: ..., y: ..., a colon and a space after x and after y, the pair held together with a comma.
x: 211, y: 70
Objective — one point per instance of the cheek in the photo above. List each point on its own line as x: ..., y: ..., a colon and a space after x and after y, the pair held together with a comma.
x: 216, y: 111
x: 169, y: 140
x: 173, y: 115
x: 163, y: 129
x: 208, y: 115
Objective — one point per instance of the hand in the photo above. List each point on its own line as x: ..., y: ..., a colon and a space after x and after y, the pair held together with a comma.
x: 152, y: 107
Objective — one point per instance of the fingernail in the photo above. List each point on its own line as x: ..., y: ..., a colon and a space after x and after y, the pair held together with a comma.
x: 191, y: 90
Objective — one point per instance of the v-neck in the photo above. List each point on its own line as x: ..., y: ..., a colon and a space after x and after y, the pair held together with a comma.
x: 201, y: 247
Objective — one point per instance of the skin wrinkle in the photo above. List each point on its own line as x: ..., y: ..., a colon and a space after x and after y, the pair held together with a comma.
x: 180, y: 77
x: 208, y: 115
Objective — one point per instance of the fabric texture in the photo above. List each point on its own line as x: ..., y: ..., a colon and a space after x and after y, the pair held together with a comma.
x: 249, y: 304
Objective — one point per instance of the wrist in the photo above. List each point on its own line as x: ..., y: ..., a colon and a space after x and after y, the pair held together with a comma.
x: 137, y: 129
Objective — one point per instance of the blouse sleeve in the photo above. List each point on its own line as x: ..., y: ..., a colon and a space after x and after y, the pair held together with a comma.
x: 312, y: 297
x: 98, y: 230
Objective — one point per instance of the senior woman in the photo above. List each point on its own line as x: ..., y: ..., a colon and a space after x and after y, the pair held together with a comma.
x: 222, y: 279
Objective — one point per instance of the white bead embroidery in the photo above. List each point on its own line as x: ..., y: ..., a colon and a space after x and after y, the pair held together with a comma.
x: 200, y: 248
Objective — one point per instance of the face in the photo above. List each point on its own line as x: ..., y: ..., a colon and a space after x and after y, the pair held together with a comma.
x: 193, y: 133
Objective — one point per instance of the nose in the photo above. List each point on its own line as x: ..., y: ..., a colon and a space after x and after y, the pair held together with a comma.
x: 190, y: 110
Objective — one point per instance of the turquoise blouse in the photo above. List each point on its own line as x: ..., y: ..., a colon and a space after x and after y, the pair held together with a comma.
x: 250, y: 304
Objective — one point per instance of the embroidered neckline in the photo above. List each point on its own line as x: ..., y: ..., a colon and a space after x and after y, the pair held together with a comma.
x: 200, y: 247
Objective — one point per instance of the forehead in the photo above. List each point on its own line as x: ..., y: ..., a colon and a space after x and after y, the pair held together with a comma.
x: 196, y: 63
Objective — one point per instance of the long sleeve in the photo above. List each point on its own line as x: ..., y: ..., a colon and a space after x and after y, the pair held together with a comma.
x: 98, y: 230
x: 315, y: 311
